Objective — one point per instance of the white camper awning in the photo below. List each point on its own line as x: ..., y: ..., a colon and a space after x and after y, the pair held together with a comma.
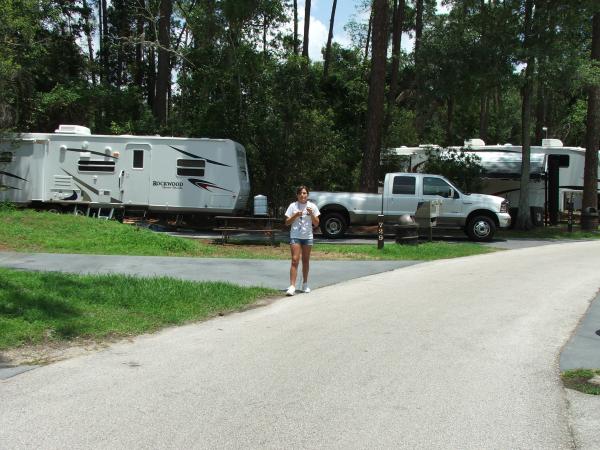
x: 508, y: 164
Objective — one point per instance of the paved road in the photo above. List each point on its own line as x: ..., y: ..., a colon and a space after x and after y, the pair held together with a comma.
x: 448, y: 354
x: 254, y: 272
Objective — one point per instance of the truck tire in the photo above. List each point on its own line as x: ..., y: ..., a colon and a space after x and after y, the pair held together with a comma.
x: 481, y: 228
x: 333, y: 225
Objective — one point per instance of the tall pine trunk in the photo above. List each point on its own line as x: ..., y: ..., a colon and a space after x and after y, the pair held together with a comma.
x: 138, y: 75
x: 524, y: 217
x: 296, y: 50
x: 397, y: 22
x: 103, y: 20
x: 419, y: 82
x: 329, y: 39
x: 375, y: 106
x: 88, y: 33
x: 592, y: 141
x: 306, y: 29
x: 163, y: 76
x: 368, y: 40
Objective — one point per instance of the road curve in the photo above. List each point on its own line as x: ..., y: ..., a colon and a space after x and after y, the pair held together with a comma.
x: 453, y: 354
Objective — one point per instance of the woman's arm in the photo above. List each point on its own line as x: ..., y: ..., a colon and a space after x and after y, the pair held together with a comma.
x: 290, y: 220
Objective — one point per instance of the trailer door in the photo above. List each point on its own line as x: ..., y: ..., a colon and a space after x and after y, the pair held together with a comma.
x: 134, y: 178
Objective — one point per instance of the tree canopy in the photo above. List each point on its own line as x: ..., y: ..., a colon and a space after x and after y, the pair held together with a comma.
x: 234, y: 69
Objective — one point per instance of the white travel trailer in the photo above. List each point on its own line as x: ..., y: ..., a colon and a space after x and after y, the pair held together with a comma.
x: 556, y: 173
x: 75, y: 169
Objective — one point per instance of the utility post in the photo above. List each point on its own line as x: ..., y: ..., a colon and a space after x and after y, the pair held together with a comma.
x: 380, y: 219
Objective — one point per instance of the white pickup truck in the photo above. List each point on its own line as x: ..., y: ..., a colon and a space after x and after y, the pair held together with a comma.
x: 479, y: 215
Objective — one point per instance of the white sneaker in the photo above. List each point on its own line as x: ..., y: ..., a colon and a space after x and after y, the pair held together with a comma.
x: 291, y: 291
x: 305, y: 288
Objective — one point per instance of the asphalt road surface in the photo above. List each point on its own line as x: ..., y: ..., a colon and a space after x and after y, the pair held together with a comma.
x: 452, y: 354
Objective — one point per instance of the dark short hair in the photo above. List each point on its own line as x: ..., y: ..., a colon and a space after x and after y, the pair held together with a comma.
x: 300, y: 189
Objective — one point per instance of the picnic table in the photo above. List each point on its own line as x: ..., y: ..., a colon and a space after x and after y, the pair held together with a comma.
x: 247, y: 224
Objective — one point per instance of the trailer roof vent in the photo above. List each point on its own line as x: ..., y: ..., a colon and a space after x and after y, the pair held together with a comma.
x: 474, y: 143
x: 73, y: 129
x: 552, y: 143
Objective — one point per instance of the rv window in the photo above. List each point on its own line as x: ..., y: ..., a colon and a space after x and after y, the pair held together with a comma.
x: 404, y: 185
x: 187, y: 167
x: 6, y: 157
x: 138, y: 159
x: 90, y: 165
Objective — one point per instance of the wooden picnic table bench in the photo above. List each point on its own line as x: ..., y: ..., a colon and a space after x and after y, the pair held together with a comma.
x: 259, y: 224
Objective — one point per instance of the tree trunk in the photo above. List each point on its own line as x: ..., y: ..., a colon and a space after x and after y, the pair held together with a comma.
x: 103, y: 38
x: 88, y: 34
x: 163, y: 76
x: 540, y: 110
x: 265, y: 30
x: 329, y: 39
x: 306, y: 29
x: 397, y: 22
x: 419, y: 113
x: 524, y: 217
x: 296, y: 50
x: 138, y: 75
x: 592, y: 141
x: 483, y: 115
x: 450, y: 121
x: 368, y: 42
x: 375, y: 106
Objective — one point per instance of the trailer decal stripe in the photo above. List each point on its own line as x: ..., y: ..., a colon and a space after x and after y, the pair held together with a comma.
x: 95, y: 191
x: 4, y: 187
x: 205, y: 184
x: 200, y: 157
x: 77, y: 150
x: 12, y: 175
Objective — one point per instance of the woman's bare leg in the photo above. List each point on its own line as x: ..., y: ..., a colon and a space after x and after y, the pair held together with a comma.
x: 295, y: 250
x: 306, y: 249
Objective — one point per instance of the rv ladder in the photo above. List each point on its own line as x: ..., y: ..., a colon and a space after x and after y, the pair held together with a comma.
x: 110, y: 214
x: 89, y: 212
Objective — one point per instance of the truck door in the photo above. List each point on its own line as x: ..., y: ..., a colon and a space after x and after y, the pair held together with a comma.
x: 134, y: 177
x: 435, y: 188
x: 402, y: 196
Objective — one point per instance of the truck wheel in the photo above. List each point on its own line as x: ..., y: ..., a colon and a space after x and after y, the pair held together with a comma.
x: 481, y: 228
x: 333, y: 225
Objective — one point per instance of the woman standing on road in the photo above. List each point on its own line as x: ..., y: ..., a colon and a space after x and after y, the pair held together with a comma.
x: 302, y: 215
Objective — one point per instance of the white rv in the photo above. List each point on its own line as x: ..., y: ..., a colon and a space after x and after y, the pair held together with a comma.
x: 75, y: 169
x: 556, y: 173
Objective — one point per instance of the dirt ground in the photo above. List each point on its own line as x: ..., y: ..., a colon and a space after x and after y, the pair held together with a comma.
x: 48, y: 352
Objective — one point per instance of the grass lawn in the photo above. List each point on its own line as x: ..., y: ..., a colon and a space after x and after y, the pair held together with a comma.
x: 52, y: 307
x: 578, y: 379
x: 31, y: 231
x: 46, y: 308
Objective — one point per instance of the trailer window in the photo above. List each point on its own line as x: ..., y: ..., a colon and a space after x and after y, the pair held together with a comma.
x: 90, y: 165
x: 138, y: 159
x: 404, y: 185
x: 6, y: 156
x: 187, y: 167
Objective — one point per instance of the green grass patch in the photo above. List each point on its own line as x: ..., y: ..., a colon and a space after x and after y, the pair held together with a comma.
x: 391, y: 251
x: 26, y: 230
x: 578, y: 379
x: 41, y: 307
